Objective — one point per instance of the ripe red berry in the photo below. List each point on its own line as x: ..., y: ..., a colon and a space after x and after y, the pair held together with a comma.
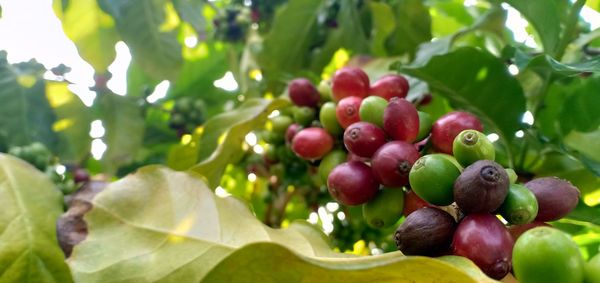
x: 447, y: 127
x: 303, y: 93
x: 347, y: 111
x: 401, y: 120
x: 390, y: 86
x: 363, y: 139
x: 349, y: 81
x: 312, y: 143
x: 352, y: 183
x: 392, y: 163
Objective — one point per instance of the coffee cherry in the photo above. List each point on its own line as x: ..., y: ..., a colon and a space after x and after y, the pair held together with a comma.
x: 330, y: 161
x: 481, y: 187
x: 427, y: 231
x: 303, y: 93
x: 385, y: 209
x: 347, y: 111
x: 324, y: 89
x: 392, y: 163
x: 349, y: 81
x: 470, y: 146
x: 281, y: 123
x: 592, y: 270
x: 412, y: 203
x: 328, y: 119
x: 545, y: 254
x: 304, y: 115
x: 512, y: 175
x: 517, y: 230
x: 432, y: 178
x: 483, y: 239
x: 555, y: 197
x: 371, y: 110
x: 390, y: 86
x: 425, y: 124
x: 312, y: 143
x: 352, y: 183
x: 520, y: 205
x: 291, y: 131
x: 363, y: 139
x: 401, y: 120
x: 447, y: 127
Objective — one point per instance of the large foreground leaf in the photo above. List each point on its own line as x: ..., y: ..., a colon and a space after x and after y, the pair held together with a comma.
x: 30, y: 205
x: 164, y: 226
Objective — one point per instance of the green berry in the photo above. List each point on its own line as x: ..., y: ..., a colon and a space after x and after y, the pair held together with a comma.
x: 592, y: 270
x: 281, y: 123
x: 425, y: 123
x: 371, y: 110
x: 329, y: 120
x: 324, y: 89
x: 304, y: 115
x: 512, y: 175
x: 520, y: 205
x: 330, y: 161
x: 470, y: 146
x: 432, y: 178
x: 385, y: 209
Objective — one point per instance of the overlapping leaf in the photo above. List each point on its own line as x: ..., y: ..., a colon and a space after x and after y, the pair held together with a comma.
x: 164, y: 226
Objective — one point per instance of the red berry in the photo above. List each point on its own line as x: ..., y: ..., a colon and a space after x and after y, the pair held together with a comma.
x: 392, y: 163
x: 81, y: 175
x: 347, y: 111
x: 349, y: 81
x: 303, y: 93
x: 353, y: 157
x: 312, y: 143
x: 401, y: 120
x: 390, y: 86
x: 447, y: 127
x: 291, y: 131
x: 363, y: 139
x: 352, y: 183
x: 517, y: 230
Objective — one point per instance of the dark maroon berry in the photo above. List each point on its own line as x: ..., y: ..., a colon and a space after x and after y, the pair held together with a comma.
x: 363, y: 139
x: 427, y: 231
x: 303, y: 93
x: 390, y: 86
x: 447, y: 127
x: 312, y: 143
x: 349, y: 81
x: 401, y: 120
x: 352, y: 183
x: 392, y: 163
x: 556, y: 197
x: 81, y: 175
x: 483, y: 239
x: 347, y: 109
x: 481, y: 187
x: 291, y: 131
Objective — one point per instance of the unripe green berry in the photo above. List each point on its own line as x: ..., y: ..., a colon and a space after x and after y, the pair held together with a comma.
x: 425, y: 123
x: 385, y: 209
x: 329, y: 120
x: 432, y: 178
x: 470, y: 146
x: 520, y: 205
x: 281, y: 123
x: 371, y: 110
x: 304, y: 115
x: 332, y: 159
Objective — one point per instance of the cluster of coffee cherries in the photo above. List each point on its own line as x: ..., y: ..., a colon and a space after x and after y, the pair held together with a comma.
x: 375, y: 149
x: 187, y: 114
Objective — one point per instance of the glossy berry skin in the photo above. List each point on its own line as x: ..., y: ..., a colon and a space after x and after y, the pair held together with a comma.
x: 385, y: 209
x: 291, y: 131
x: 556, y: 197
x: 349, y: 81
x: 519, y: 206
x: 470, y: 146
x: 401, y: 120
x: 545, y: 254
x: 281, y: 123
x: 371, y: 110
x: 483, y: 239
x: 328, y: 119
x: 447, y: 127
x: 352, y: 183
x: 390, y: 86
x: 303, y: 93
x: 312, y: 143
x: 392, y: 163
x: 330, y: 161
x: 481, y: 187
x: 363, y: 139
x: 413, y: 202
x: 347, y: 111
x: 304, y: 115
x: 427, y: 231
x: 432, y: 178
x: 425, y: 123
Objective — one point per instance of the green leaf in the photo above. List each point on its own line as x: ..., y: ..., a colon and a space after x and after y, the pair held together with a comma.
x: 546, y: 65
x: 232, y: 127
x: 586, y: 213
x: 142, y: 25
x: 25, y: 115
x: 122, y: 118
x: 478, y: 82
x: 164, y: 226
x: 30, y: 207
x: 286, y: 47
x: 72, y: 124
x: 190, y: 11
x: 92, y: 31
x: 384, y: 23
x: 413, y: 27
x: 546, y: 17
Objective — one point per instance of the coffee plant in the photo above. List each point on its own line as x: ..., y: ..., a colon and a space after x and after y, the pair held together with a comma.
x: 306, y: 140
